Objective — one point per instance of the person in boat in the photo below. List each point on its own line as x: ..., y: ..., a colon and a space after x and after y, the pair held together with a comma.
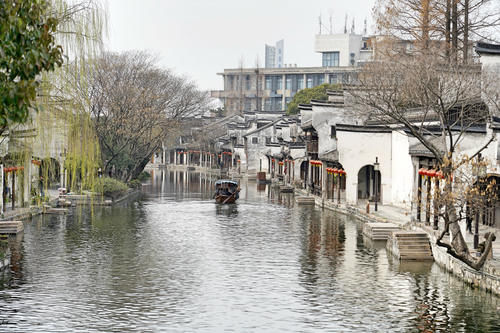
x: 227, y: 189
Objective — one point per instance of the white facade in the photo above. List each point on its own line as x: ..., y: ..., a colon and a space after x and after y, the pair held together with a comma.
x: 348, y: 46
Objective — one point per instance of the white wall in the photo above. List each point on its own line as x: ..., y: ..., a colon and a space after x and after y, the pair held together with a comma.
x: 357, y: 149
x: 323, y: 117
x: 345, y: 44
x: 402, y: 171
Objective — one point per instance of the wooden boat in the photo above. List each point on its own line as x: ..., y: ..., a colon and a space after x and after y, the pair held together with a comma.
x: 226, y: 191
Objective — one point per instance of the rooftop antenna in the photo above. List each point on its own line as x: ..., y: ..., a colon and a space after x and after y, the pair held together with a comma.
x: 319, y: 23
x: 345, y: 24
x: 331, y: 23
x: 365, y: 30
x: 352, y: 27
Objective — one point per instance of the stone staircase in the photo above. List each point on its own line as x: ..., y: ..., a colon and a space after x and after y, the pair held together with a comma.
x: 303, y: 200
x: 379, y: 231
x: 11, y: 227
x: 410, y: 245
x: 286, y: 189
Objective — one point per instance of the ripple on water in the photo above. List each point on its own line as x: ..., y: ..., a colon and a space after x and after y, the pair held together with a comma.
x: 177, y: 262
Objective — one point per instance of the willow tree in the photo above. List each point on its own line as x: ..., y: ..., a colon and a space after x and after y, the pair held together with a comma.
x: 135, y: 105
x: 36, y: 38
x: 65, y: 126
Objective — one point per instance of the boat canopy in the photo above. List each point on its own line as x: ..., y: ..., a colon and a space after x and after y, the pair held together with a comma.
x: 226, y: 181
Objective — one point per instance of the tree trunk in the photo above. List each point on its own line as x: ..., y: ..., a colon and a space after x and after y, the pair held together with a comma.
x: 454, y: 32
x: 425, y: 24
x: 466, y: 32
x: 458, y: 247
x: 448, y: 27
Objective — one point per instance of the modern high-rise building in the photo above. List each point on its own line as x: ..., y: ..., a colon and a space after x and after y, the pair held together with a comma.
x: 273, y: 87
x: 274, y: 55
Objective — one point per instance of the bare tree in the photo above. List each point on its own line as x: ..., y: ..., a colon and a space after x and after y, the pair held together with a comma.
x: 135, y: 106
x: 453, y: 24
x: 438, y: 103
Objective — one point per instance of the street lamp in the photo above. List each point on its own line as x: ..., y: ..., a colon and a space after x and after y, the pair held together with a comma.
x: 480, y: 172
x: 376, y: 168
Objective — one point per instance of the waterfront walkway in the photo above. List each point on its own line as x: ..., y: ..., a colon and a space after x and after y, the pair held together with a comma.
x: 22, y: 213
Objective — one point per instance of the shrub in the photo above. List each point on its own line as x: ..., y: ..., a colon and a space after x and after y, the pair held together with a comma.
x: 111, y: 187
x: 136, y: 183
x: 143, y: 176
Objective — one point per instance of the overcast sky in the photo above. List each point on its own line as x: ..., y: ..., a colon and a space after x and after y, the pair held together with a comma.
x: 199, y: 38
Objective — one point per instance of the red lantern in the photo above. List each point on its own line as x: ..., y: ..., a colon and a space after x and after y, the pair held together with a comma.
x: 439, y: 174
x: 431, y: 173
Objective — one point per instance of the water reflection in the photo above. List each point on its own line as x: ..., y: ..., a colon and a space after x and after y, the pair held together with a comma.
x: 228, y: 210
x: 176, y: 261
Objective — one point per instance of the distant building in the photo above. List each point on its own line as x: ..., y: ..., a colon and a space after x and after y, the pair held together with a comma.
x: 273, y: 87
x: 342, y: 50
x: 274, y: 55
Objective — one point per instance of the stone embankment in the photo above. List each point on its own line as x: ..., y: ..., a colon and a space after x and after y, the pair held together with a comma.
x: 488, y: 278
x: 4, y: 260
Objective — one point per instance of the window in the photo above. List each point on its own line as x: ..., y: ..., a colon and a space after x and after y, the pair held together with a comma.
x: 279, y: 104
x: 279, y: 82
x: 248, y: 104
x: 247, y: 82
x: 230, y: 82
x: 268, y: 140
x: 333, y: 79
x: 269, y: 83
x: 321, y: 80
x: 255, y: 140
x: 288, y: 83
x: 300, y: 83
x: 267, y: 105
x: 309, y: 82
x: 330, y: 59
x: 333, y: 132
x: 288, y: 100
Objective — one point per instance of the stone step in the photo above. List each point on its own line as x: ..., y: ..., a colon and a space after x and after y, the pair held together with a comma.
x: 413, y: 241
x: 305, y: 200
x: 417, y: 257
x: 379, y: 231
x: 51, y: 210
x: 414, y: 246
x: 286, y: 189
x: 11, y: 227
x: 407, y: 245
x: 410, y: 235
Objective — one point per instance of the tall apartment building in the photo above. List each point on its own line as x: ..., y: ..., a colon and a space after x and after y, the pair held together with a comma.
x: 275, y: 55
x: 271, y: 89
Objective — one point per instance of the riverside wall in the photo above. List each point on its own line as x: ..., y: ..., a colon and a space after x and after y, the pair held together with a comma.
x: 488, y: 278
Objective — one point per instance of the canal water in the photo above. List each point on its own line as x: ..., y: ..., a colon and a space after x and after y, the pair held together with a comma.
x: 175, y: 261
